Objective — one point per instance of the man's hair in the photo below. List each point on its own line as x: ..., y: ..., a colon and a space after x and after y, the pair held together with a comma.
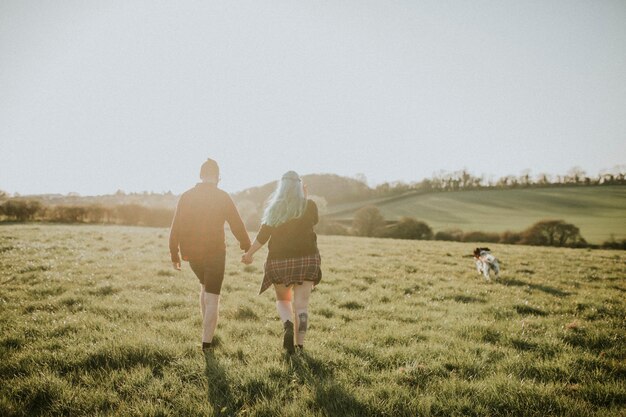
x: 209, y: 169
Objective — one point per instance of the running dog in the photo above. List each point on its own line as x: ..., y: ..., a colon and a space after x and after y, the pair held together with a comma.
x: 486, y: 262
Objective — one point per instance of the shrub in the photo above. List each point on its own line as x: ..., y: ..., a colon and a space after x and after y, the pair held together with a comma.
x: 130, y: 214
x: 157, y: 217
x: 368, y: 222
x: 510, y: 237
x: 553, y: 233
x: 66, y: 214
x: 409, y: 228
x: 614, y: 244
x: 477, y: 236
x: 452, y: 235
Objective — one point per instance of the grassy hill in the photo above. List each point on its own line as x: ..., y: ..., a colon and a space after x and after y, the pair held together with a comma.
x: 93, y: 321
x: 599, y: 211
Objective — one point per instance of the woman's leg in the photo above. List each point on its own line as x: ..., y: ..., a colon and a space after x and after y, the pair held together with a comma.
x: 302, y: 293
x: 283, y: 302
x: 283, y: 306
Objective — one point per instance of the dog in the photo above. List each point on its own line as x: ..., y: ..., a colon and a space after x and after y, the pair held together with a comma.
x: 486, y: 262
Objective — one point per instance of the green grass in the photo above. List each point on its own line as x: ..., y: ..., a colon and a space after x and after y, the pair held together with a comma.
x: 94, y: 322
x: 598, y: 211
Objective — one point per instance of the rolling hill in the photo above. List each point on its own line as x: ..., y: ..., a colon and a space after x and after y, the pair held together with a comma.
x: 599, y: 211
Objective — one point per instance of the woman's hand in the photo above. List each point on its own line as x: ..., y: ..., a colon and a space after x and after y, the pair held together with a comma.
x: 247, y: 258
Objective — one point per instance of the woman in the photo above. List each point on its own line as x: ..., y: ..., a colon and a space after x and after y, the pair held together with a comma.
x: 293, y: 260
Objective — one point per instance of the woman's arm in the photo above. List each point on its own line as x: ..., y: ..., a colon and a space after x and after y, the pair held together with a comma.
x: 261, y: 238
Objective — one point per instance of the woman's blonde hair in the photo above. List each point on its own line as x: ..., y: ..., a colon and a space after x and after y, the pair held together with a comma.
x: 286, y: 202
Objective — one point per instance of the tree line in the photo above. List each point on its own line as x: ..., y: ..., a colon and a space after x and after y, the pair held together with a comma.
x: 25, y: 210
x: 465, y: 180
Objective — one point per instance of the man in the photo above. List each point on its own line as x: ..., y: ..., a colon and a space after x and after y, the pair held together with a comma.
x: 198, y: 230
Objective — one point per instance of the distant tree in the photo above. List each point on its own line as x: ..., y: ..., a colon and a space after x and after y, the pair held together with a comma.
x: 543, y: 179
x: 21, y: 210
x: 575, y: 175
x: 409, y: 228
x: 525, y: 178
x: 466, y: 178
x: 553, y: 233
x: 368, y: 221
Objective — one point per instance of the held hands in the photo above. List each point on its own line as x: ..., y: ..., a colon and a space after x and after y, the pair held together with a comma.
x: 246, y: 258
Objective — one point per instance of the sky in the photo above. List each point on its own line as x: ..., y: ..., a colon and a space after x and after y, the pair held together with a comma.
x: 97, y: 96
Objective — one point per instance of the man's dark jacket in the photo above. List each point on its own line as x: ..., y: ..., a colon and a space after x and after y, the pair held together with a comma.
x: 198, y: 225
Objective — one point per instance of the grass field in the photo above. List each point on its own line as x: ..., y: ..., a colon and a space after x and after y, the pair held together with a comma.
x: 599, y: 212
x: 94, y: 322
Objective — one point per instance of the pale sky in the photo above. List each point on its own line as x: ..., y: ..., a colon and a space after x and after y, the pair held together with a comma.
x: 97, y: 96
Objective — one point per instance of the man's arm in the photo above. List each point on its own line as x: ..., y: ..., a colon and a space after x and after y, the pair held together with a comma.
x: 236, y: 225
x: 261, y: 239
x: 174, y: 236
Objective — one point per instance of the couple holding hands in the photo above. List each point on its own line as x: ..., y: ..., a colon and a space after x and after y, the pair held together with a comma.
x: 293, y: 260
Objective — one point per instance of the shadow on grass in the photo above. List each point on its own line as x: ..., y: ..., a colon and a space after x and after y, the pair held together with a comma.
x: 331, y: 399
x: 219, y: 392
x: 545, y: 288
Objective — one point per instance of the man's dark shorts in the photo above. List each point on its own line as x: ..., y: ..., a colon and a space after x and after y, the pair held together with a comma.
x: 210, y: 271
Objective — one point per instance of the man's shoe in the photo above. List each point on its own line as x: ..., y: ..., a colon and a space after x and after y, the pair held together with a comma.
x: 207, y: 347
x: 288, y: 337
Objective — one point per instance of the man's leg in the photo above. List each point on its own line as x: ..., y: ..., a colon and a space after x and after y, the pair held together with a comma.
x: 211, y: 313
x: 302, y: 293
x: 202, y: 307
x: 213, y: 278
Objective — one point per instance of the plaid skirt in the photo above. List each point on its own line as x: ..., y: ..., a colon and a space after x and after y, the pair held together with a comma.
x: 292, y: 271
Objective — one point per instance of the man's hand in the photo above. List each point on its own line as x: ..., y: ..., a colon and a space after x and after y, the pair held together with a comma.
x: 176, y: 266
x: 246, y: 258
